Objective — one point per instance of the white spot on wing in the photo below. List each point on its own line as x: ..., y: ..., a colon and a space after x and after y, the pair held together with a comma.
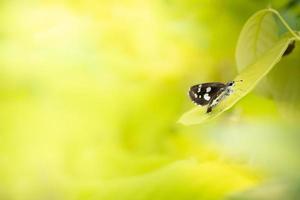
x: 206, y: 97
x: 199, y: 88
x: 208, y: 89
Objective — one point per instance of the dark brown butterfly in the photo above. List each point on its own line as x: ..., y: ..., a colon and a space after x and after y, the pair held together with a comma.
x: 210, y: 93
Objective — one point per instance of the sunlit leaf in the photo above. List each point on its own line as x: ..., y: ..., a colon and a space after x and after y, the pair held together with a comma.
x: 258, y: 35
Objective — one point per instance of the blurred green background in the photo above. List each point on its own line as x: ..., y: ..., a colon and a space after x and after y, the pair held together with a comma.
x: 91, y: 91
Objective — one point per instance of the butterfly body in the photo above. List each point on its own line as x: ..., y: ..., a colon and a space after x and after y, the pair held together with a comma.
x: 210, y: 93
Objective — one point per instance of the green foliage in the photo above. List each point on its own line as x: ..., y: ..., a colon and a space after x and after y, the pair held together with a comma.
x: 90, y: 93
x: 286, y: 85
x: 258, y: 35
x: 258, y: 50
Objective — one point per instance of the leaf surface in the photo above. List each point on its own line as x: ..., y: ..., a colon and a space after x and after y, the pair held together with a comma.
x: 258, y: 35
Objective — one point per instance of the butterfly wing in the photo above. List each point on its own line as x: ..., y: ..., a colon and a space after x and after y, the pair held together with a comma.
x: 201, y: 94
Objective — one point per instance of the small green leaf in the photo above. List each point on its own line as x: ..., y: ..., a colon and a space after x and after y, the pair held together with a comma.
x: 251, y: 75
x: 258, y: 35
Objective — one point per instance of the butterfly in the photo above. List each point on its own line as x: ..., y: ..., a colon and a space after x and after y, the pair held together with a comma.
x: 210, y: 94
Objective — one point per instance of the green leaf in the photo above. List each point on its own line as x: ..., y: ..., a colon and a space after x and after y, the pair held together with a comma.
x: 251, y: 75
x: 258, y: 35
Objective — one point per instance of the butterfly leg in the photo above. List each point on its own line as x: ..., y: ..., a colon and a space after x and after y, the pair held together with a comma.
x: 212, y: 103
x: 209, y: 109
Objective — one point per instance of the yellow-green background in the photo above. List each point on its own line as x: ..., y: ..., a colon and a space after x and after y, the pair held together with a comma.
x: 91, y: 91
